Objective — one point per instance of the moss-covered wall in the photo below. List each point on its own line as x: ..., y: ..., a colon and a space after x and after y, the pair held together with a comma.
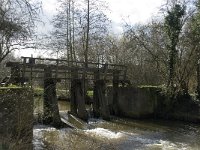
x: 16, y: 118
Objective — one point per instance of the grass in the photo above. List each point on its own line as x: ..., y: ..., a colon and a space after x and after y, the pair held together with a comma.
x: 11, y: 86
x: 150, y: 86
x: 90, y: 93
x: 38, y: 91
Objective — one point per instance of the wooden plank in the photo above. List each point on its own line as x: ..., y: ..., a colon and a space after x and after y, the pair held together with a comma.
x: 60, y: 67
x: 78, y: 62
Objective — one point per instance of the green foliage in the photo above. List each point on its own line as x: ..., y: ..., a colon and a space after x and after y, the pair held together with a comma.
x: 160, y: 88
x: 173, y: 26
x: 195, y: 24
x: 38, y: 91
x: 149, y: 86
x: 90, y: 93
x: 173, y: 23
x: 17, y: 113
x: 11, y: 86
x: 63, y: 93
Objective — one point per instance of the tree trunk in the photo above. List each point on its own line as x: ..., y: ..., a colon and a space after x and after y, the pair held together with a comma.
x: 0, y: 52
x: 172, y: 62
x: 87, y: 34
x: 198, y: 73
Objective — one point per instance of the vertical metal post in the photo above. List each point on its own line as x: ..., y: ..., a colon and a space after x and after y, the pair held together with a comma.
x: 32, y: 71
x: 23, y: 71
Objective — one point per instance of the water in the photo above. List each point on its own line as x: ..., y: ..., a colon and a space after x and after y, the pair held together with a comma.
x: 119, y: 134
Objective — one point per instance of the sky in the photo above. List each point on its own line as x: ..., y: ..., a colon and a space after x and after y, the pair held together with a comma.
x: 133, y: 11
x: 121, y: 12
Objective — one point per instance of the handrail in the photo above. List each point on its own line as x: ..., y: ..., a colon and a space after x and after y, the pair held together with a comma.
x: 78, y: 62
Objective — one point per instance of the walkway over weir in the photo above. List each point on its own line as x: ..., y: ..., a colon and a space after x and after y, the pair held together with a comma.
x: 62, y: 68
x: 78, y: 73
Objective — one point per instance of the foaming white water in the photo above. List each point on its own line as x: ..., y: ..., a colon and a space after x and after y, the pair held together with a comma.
x: 167, y: 145
x: 143, y: 140
x: 104, y: 133
x: 95, y: 121
x: 38, y: 136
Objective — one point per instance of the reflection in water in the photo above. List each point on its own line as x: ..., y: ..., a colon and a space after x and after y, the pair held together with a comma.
x: 119, y: 134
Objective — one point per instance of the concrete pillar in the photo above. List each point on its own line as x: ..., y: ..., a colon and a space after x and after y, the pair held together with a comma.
x: 77, y: 103
x: 102, y: 103
x: 115, y: 108
x: 73, y: 104
x: 81, y: 110
x: 96, y: 104
x: 51, y: 111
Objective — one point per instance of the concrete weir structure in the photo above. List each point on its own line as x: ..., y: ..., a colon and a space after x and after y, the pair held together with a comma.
x: 16, y: 118
x: 133, y: 102
x: 121, y: 100
x: 149, y: 102
x: 78, y: 74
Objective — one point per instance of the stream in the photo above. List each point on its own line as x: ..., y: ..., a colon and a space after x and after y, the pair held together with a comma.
x: 119, y: 134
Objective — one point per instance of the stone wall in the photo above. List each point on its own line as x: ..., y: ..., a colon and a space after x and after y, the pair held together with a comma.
x: 16, y: 118
x: 135, y: 102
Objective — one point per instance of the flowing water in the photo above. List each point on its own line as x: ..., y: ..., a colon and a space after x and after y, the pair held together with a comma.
x: 119, y: 134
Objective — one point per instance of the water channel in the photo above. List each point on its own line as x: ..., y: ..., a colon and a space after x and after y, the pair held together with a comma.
x: 118, y: 134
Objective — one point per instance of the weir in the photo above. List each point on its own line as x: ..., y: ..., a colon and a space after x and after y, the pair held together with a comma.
x: 117, y: 100
x: 53, y: 71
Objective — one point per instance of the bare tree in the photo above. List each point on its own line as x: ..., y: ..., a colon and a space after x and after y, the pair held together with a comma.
x: 76, y: 29
x: 17, y: 19
x: 145, y: 48
x: 194, y: 30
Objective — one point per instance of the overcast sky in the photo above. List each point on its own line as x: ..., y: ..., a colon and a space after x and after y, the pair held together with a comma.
x: 131, y: 11
x: 121, y: 11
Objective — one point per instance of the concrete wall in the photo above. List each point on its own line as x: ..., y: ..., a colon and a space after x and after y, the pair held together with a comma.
x: 16, y: 118
x: 135, y: 102
x: 150, y: 102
